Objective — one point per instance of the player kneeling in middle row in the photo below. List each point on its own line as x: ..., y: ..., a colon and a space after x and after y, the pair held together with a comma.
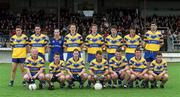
x: 76, y: 70
x: 158, y: 71
x: 119, y: 69
x: 98, y: 70
x: 138, y: 68
x: 56, y: 72
x: 35, y: 69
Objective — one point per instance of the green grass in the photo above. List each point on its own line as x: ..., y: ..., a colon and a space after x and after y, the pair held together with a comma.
x: 172, y: 88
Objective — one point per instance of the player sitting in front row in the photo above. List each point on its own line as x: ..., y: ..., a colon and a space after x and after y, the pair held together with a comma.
x: 35, y: 69
x: 76, y: 69
x: 98, y: 70
x: 158, y: 71
x: 56, y: 72
x: 119, y: 69
x: 138, y: 68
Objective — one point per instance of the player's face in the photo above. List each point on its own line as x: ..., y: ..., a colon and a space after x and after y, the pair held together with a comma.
x: 56, y: 33
x: 72, y: 29
x: 98, y: 56
x: 153, y: 27
x: 56, y: 58
x: 113, y: 31
x: 76, y: 54
x: 37, y: 30
x: 34, y: 53
x: 132, y: 31
x: 158, y: 58
x: 18, y: 31
x: 118, y: 54
x: 138, y: 53
x: 94, y: 29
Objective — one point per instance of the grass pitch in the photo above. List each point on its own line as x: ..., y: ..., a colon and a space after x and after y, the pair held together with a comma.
x: 172, y: 88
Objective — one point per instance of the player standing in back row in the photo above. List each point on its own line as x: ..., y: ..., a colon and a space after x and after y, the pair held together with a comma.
x: 153, y: 42
x: 19, y: 47
x: 39, y: 41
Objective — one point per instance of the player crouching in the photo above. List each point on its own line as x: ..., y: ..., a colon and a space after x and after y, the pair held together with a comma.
x: 98, y: 70
x: 56, y: 72
x: 35, y: 69
x: 138, y: 68
x: 76, y: 70
x: 119, y: 69
x: 158, y: 71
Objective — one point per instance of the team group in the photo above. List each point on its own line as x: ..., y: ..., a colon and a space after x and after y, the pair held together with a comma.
x: 131, y: 70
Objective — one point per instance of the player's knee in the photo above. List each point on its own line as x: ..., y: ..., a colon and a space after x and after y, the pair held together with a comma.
x: 165, y: 77
x: 47, y: 77
x: 68, y: 77
x: 114, y: 76
x: 151, y: 77
x: 41, y: 76
x: 133, y: 77
x: 128, y: 72
x: 62, y: 78
x: 26, y: 77
x: 146, y: 77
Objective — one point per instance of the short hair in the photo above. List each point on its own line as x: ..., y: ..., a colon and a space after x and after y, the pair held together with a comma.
x: 37, y: 25
x: 113, y: 27
x: 99, y: 52
x: 71, y: 24
x: 19, y: 26
x: 119, y: 50
x: 159, y: 54
x: 57, y: 54
x: 132, y: 28
x: 153, y: 23
x: 94, y: 25
x: 76, y: 50
x: 137, y: 49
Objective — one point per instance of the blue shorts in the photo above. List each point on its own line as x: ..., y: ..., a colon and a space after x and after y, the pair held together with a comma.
x: 51, y: 57
x: 33, y: 73
x: 129, y: 56
x: 110, y: 56
x: 76, y: 77
x: 41, y: 55
x: 150, y: 55
x: 18, y: 60
x: 91, y: 57
x: 157, y: 72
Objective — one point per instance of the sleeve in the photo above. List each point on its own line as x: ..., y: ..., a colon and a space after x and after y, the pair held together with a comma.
x: 165, y: 66
x: 11, y: 41
x: 131, y: 62
x: 91, y: 65
x: 46, y: 40
x: 41, y: 63
x: 151, y: 66
x: 51, y: 68
x: 111, y: 64
x: 27, y: 64
x: 106, y: 65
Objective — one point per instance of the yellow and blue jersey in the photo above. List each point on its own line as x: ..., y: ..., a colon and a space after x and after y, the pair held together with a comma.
x: 75, y: 67
x: 138, y: 65
x: 132, y: 43
x: 39, y: 42
x: 117, y: 65
x: 19, y: 46
x: 34, y: 65
x: 94, y: 43
x: 113, y: 43
x: 99, y: 68
x: 153, y: 41
x: 73, y: 42
x: 158, y: 67
x: 55, y: 69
